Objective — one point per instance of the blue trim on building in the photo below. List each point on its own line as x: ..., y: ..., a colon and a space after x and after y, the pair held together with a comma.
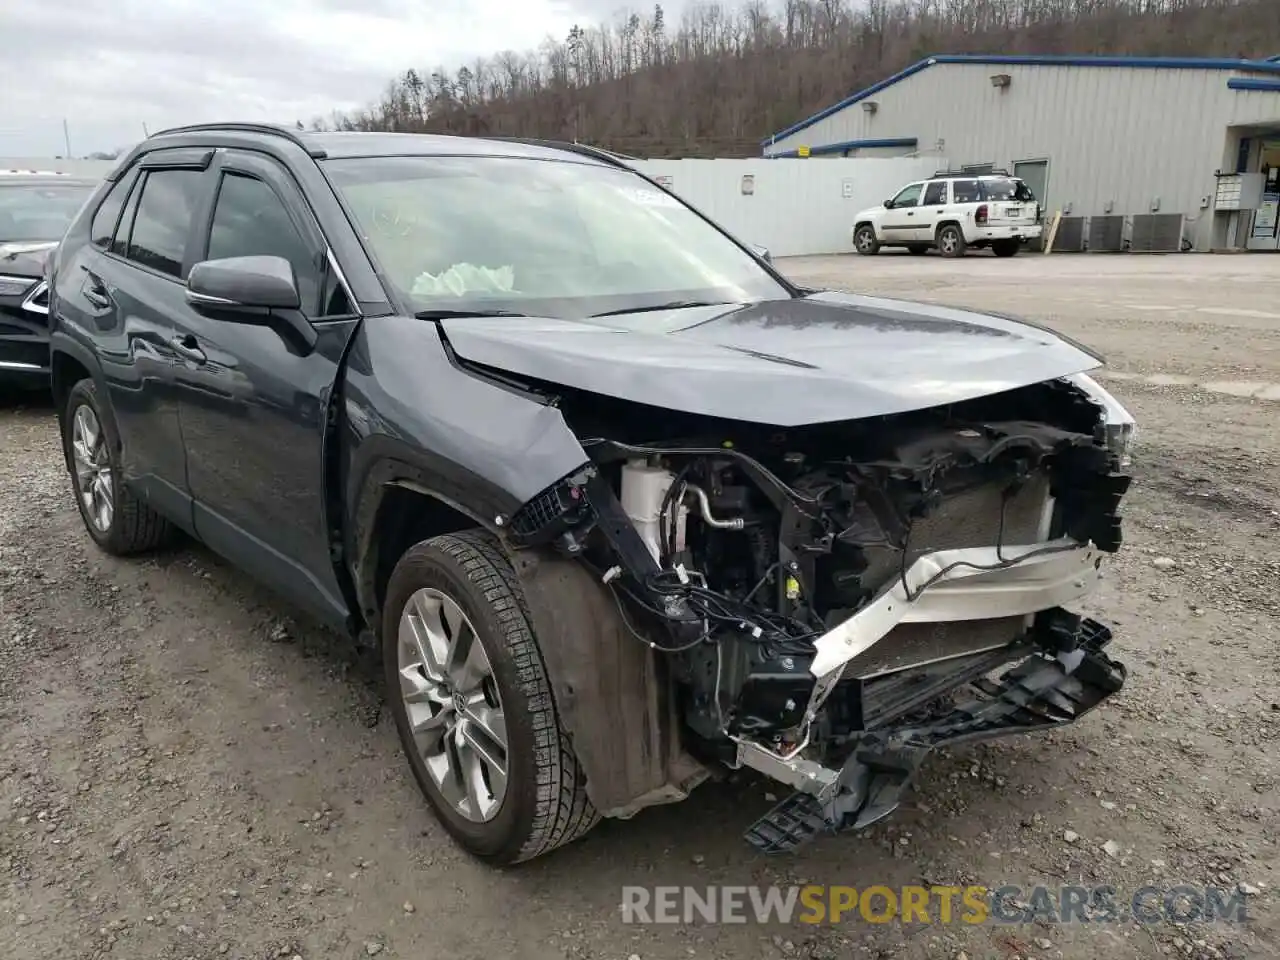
x: 1248, y: 83
x: 850, y: 145
x: 1142, y: 63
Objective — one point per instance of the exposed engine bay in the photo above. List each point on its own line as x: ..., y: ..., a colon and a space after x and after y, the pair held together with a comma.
x: 820, y: 595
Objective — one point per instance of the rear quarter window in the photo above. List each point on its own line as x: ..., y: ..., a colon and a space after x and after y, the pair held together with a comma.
x: 966, y: 191
x: 108, y: 214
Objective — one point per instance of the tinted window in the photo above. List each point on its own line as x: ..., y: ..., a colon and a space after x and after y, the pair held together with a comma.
x: 908, y: 196
x: 1002, y: 189
x: 159, y: 236
x: 38, y: 211
x: 966, y: 191
x: 250, y: 220
x: 120, y: 240
x: 108, y: 215
x: 936, y: 193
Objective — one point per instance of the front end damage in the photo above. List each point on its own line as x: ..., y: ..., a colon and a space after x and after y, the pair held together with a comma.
x: 825, y: 604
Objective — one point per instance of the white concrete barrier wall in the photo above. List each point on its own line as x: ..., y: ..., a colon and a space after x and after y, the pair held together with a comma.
x: 795, y: 207
x: 79, y: 168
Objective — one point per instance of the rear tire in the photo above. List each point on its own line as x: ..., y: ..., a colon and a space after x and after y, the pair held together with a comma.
x: 918, y: 249
x: 1005, y: 248
x: 117, y: 520
x: 528, y: 795
x: 951, y: 242
x: 865, y: 242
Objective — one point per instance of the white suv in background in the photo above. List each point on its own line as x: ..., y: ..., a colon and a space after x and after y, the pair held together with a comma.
x: 953, y: 212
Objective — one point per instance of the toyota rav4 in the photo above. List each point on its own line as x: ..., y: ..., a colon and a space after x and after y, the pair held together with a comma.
x: 623, y: 508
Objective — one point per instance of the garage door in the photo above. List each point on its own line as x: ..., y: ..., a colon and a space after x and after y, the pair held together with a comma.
x: 1035, y: 174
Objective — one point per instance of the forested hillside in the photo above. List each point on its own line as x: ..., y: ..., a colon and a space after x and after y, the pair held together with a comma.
x: 728, y: 74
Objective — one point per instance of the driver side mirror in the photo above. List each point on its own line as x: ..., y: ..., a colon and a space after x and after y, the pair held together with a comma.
x: 888, y: 204
x: 257, y: 290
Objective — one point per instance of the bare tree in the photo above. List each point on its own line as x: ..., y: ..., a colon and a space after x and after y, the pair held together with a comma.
x: 729, y: 74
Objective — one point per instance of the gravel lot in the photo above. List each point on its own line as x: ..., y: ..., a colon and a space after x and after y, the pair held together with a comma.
x: 187, y: 771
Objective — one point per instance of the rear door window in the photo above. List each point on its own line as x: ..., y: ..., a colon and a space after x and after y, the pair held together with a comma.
x: 163, y: 221
x: 120, y: 240
x: 936, y: 194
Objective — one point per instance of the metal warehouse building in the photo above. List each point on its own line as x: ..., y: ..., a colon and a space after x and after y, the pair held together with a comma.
x: 1108, y: 141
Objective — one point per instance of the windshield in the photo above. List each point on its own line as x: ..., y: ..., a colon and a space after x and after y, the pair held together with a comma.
x: 38, y: 211
x: 1002, y: 189
x: 546, y: 238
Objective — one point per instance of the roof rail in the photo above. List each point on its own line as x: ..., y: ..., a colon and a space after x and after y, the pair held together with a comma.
x: 277, y: 130
x: 586, y: 150
x: 970, y: 174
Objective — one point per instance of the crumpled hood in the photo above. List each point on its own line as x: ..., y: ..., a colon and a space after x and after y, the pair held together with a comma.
x: 825, y: 357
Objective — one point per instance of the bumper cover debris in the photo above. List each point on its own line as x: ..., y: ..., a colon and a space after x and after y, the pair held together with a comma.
x: 1037, y: 694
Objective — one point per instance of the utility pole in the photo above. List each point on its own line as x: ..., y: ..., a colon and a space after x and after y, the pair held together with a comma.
x: 66, y: 138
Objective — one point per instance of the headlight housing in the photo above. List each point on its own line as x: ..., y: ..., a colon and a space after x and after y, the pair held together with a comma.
x: 1119, y: 424
x: 11, y: 286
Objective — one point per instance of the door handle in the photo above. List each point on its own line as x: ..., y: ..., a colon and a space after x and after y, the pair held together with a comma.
x: 187, y: 348
x: 95, y: 291
x: 910, y: 213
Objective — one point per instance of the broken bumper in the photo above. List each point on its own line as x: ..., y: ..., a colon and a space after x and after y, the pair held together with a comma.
x: 972, y: 583
x: 1038, y: 693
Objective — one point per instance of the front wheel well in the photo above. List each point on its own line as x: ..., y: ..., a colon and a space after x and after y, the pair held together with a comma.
x: 863, y: 223
x: 406, y: 516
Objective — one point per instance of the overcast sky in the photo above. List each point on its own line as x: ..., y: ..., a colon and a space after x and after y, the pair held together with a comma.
x: 110, y: 66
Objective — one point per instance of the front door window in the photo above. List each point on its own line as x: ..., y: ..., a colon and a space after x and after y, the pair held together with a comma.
x: 908, y: 196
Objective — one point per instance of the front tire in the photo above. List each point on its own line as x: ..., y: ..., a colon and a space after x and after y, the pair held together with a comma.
x: 951, y: 243
x: 865, y: 242
x: 116, y: 519
x: 473, y: 705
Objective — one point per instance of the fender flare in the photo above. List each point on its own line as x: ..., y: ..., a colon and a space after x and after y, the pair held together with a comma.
x: 389, y: 470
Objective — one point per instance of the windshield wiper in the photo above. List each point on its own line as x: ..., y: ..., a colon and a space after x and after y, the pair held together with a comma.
x: 673, y: 305
x: 447, y: 314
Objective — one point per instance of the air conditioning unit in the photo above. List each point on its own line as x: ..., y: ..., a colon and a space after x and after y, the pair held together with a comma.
x: 1070, y: 235
x: 1156, y: 233
x: 1106, y: 234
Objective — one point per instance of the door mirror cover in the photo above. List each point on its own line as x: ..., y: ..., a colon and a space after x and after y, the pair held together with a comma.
x: 256, y: 283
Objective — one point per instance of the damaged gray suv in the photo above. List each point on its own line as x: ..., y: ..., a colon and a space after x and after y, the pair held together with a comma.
x: 622, y: 507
